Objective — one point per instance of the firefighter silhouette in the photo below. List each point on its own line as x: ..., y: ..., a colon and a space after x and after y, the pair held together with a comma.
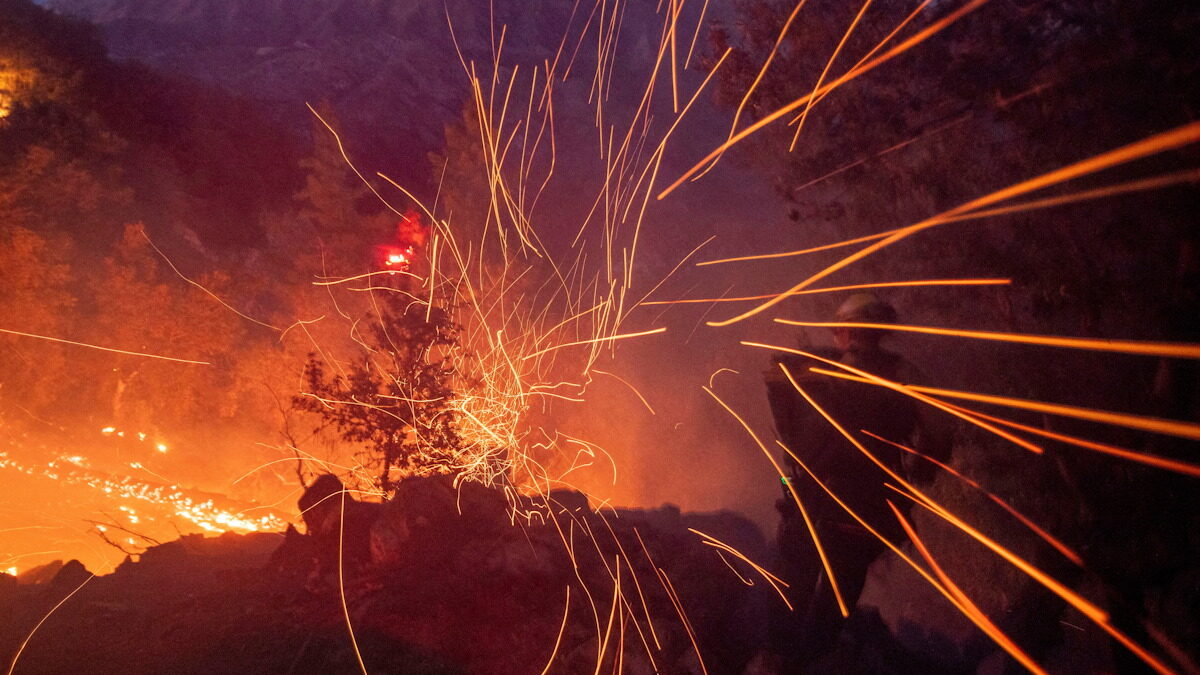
x: 816, y: 621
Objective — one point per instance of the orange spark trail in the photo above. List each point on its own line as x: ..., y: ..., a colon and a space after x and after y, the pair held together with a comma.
x: 895, y: 386
x: 899, y: 146
x: 812, y: 531
x: 773, y: 580
x: 1168, y: 349
x: 814, y: 249
x: 212, y: 295
x: 1090, y: 610
x: 888, y: 38
x: 1169, y: 140
x: 1099, y: 616
x: 696, y: 34
x: 609, y: 338
x: 1025, y: 520
x: 13, y: 665
x: 834, y: 289
x: 105, y: 349
x: 737, y: 115
x: 799, y: 121
x: 561, y: 630
x: 771, y: 55
x: 911, y: 42
x: 1153, y: 183
x: 1159, y: 425
x: 674, y: 597
x: 1123, y: 453
x: 1188, y: 430
x: 342, y: 582
x: 631, y: 388
x: 1156, y: 182
x: 971, y: 609
x: 937, y: 586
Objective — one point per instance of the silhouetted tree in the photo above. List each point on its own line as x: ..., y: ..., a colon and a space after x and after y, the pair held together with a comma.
x: 397, y: 399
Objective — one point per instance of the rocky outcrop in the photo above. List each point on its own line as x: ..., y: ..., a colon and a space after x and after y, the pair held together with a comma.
x: 442, y: 578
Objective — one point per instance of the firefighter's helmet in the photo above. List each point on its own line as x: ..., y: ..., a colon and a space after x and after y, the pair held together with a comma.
x: 866, y: 308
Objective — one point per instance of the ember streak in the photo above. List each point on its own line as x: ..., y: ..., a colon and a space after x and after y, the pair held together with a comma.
x: 459, y: 341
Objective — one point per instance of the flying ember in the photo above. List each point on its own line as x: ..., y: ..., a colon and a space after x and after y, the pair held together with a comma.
x: 690, y: 336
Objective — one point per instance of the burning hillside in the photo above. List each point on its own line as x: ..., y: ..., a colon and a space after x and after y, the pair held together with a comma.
x: 361, y: 354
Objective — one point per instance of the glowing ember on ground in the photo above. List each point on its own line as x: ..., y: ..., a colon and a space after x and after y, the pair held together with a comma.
x: 521, y: 324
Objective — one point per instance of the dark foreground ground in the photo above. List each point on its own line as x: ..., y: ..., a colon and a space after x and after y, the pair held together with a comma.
x: 428, y: 590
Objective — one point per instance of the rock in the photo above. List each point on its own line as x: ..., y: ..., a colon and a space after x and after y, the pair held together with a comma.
x: 320, y: 503
x: 339, y: 524
x: 424, y: 500
x: 484, y: 505
x: 40, y: 574
x: 433, y: 516
x: 389, y: 534
x: 294, y: 555
x: 8, y: 586
x: 570, y: 501
x: 70, y: 576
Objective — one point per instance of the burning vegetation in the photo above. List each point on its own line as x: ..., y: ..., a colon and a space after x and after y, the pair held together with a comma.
x: 402, y: 393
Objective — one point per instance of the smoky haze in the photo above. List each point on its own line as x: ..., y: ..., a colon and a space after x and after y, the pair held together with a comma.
x: 397, y: 92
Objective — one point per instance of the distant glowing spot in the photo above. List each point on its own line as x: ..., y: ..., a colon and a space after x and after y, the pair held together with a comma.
x: 141, y: 436
x: 102, y: 528
x: 108, y: 430
x: 12, y: 571
x: 121, y: 434
x: 161, y: 447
